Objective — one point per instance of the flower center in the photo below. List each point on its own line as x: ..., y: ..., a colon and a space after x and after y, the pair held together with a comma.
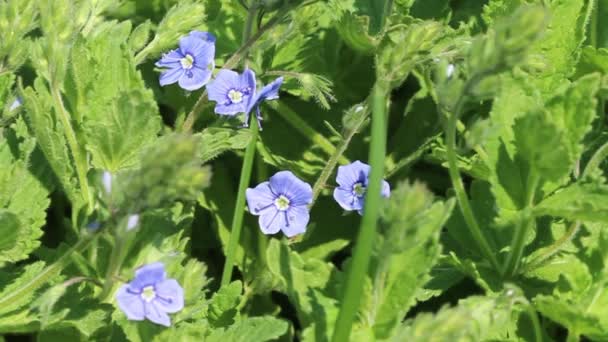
x: 235, y: 96
x: 148, y: 293
x: 359, y: 189
x: 282, y: 203
x: 187, y: 62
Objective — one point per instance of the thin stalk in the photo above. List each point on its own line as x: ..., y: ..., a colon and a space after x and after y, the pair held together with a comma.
x: 51, y: 270
x: 141, y: 56
x: 595, y: 161
x: 538, y: 335
x: 363, y: 248
x: 79, y: 160
x: 516, y: 249
x: 461, y: 195
x: 239, y: 208
x: 306, y: 130
x: 232, y: 62
x: 554, y: 247
x: 338, y: 155
x: 116, y: 260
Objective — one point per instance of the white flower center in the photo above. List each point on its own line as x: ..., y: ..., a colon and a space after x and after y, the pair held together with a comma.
x: 235, y: 96
x: 359, y: 189
x: 148, y: 293
x: 282, y: 203
x: 187, y: 62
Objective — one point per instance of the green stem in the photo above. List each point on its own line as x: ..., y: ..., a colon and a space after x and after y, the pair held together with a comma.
x: 51, y: 270
x: 239, y: 208
x: 79, y: 160
x: 518, y: 242
x: 292, y: 118
x: 141, y: 56
x: 538, y: 336
x: 572, y: 336
x: 595, y: 161
x: 461, y: 195
x: 232, y: 62
x: 119, y: 253
x: 363, y: 248
x: 553, y: 248
x: 338, y: 155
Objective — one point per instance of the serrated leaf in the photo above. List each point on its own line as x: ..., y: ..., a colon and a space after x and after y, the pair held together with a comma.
x: 578, y: 201
x: 223, y: 305
x: 473, y: 319
x: 250, y: 329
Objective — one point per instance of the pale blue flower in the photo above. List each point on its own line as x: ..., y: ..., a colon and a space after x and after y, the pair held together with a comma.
x: 191, y: 65
x: 282, y: 204
x: 236, y: 93
x: 151, y: 295
x: 132, y: 221
x: 353, y: 180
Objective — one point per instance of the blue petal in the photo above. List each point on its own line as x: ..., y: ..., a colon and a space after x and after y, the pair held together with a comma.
x: 352, y: 173
x: 194, y: 78
x: 347, y: 200
x: 170, y: 59
x: 156, y: 314
x: 205, y: 57
x: 206, y: 36
x: 131, y: 304
x: 298, y: 218
x: 148, y: 275
x: 169, y: 296
x: 268, y: 92
x: 247, y: 82
x: 192, y: 45
x: 224, y: 81
x: 386, y: 189
x: 272, y: 220
x: 260, y: 198
x: 286, y: 183
x: 171, y: 76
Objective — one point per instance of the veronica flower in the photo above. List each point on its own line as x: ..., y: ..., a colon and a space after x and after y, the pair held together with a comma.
x: 281, y: 203
x: 132, y: 221
x: 191, y: 65
x: 150, y: 295
x: 353, y: 180
x: 16, y: 104
x: 234, y: 93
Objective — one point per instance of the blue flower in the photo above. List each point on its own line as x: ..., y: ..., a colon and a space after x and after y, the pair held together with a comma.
x: 16, y: 104
x: 150, y: 295
x: 234, y: 93
x: 282, y: 204
x: 192, y: 64
x: 352, y: 180
x: 231, y: 91
x: 268, y: 92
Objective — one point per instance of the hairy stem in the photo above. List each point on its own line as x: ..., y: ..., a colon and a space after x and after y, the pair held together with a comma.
x: 79, y: 159
x: 306, y: 130
x: 51, y: 270
x: 516, y: 249
x: 595, y: 161
x: 363, y: 248
x: 337, y: 156
x: 461, y: 195
x: 239, y: 207
x: 555, y: 247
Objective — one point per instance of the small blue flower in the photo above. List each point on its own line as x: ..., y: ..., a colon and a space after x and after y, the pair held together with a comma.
x: 16, y: 104
x: 192, y: 64
x: 132, y: 221
x: 352, y: 180
x: 106, y: 180
x: 231, y: 91
x: 234, y: 93
x: 268, y: 92
x: 150, y: 295
x: 282, y: 204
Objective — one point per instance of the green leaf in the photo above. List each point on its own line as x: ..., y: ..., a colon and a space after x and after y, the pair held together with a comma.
x: 9, y: 230
x: 13, y: 316
x: 215, y: 141
x: 578, y: 201
x: 223, y: 305
x: 473, y: 319
x: 250, y: 329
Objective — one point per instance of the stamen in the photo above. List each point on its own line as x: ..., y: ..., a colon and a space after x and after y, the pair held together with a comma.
x: 187, y: 62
